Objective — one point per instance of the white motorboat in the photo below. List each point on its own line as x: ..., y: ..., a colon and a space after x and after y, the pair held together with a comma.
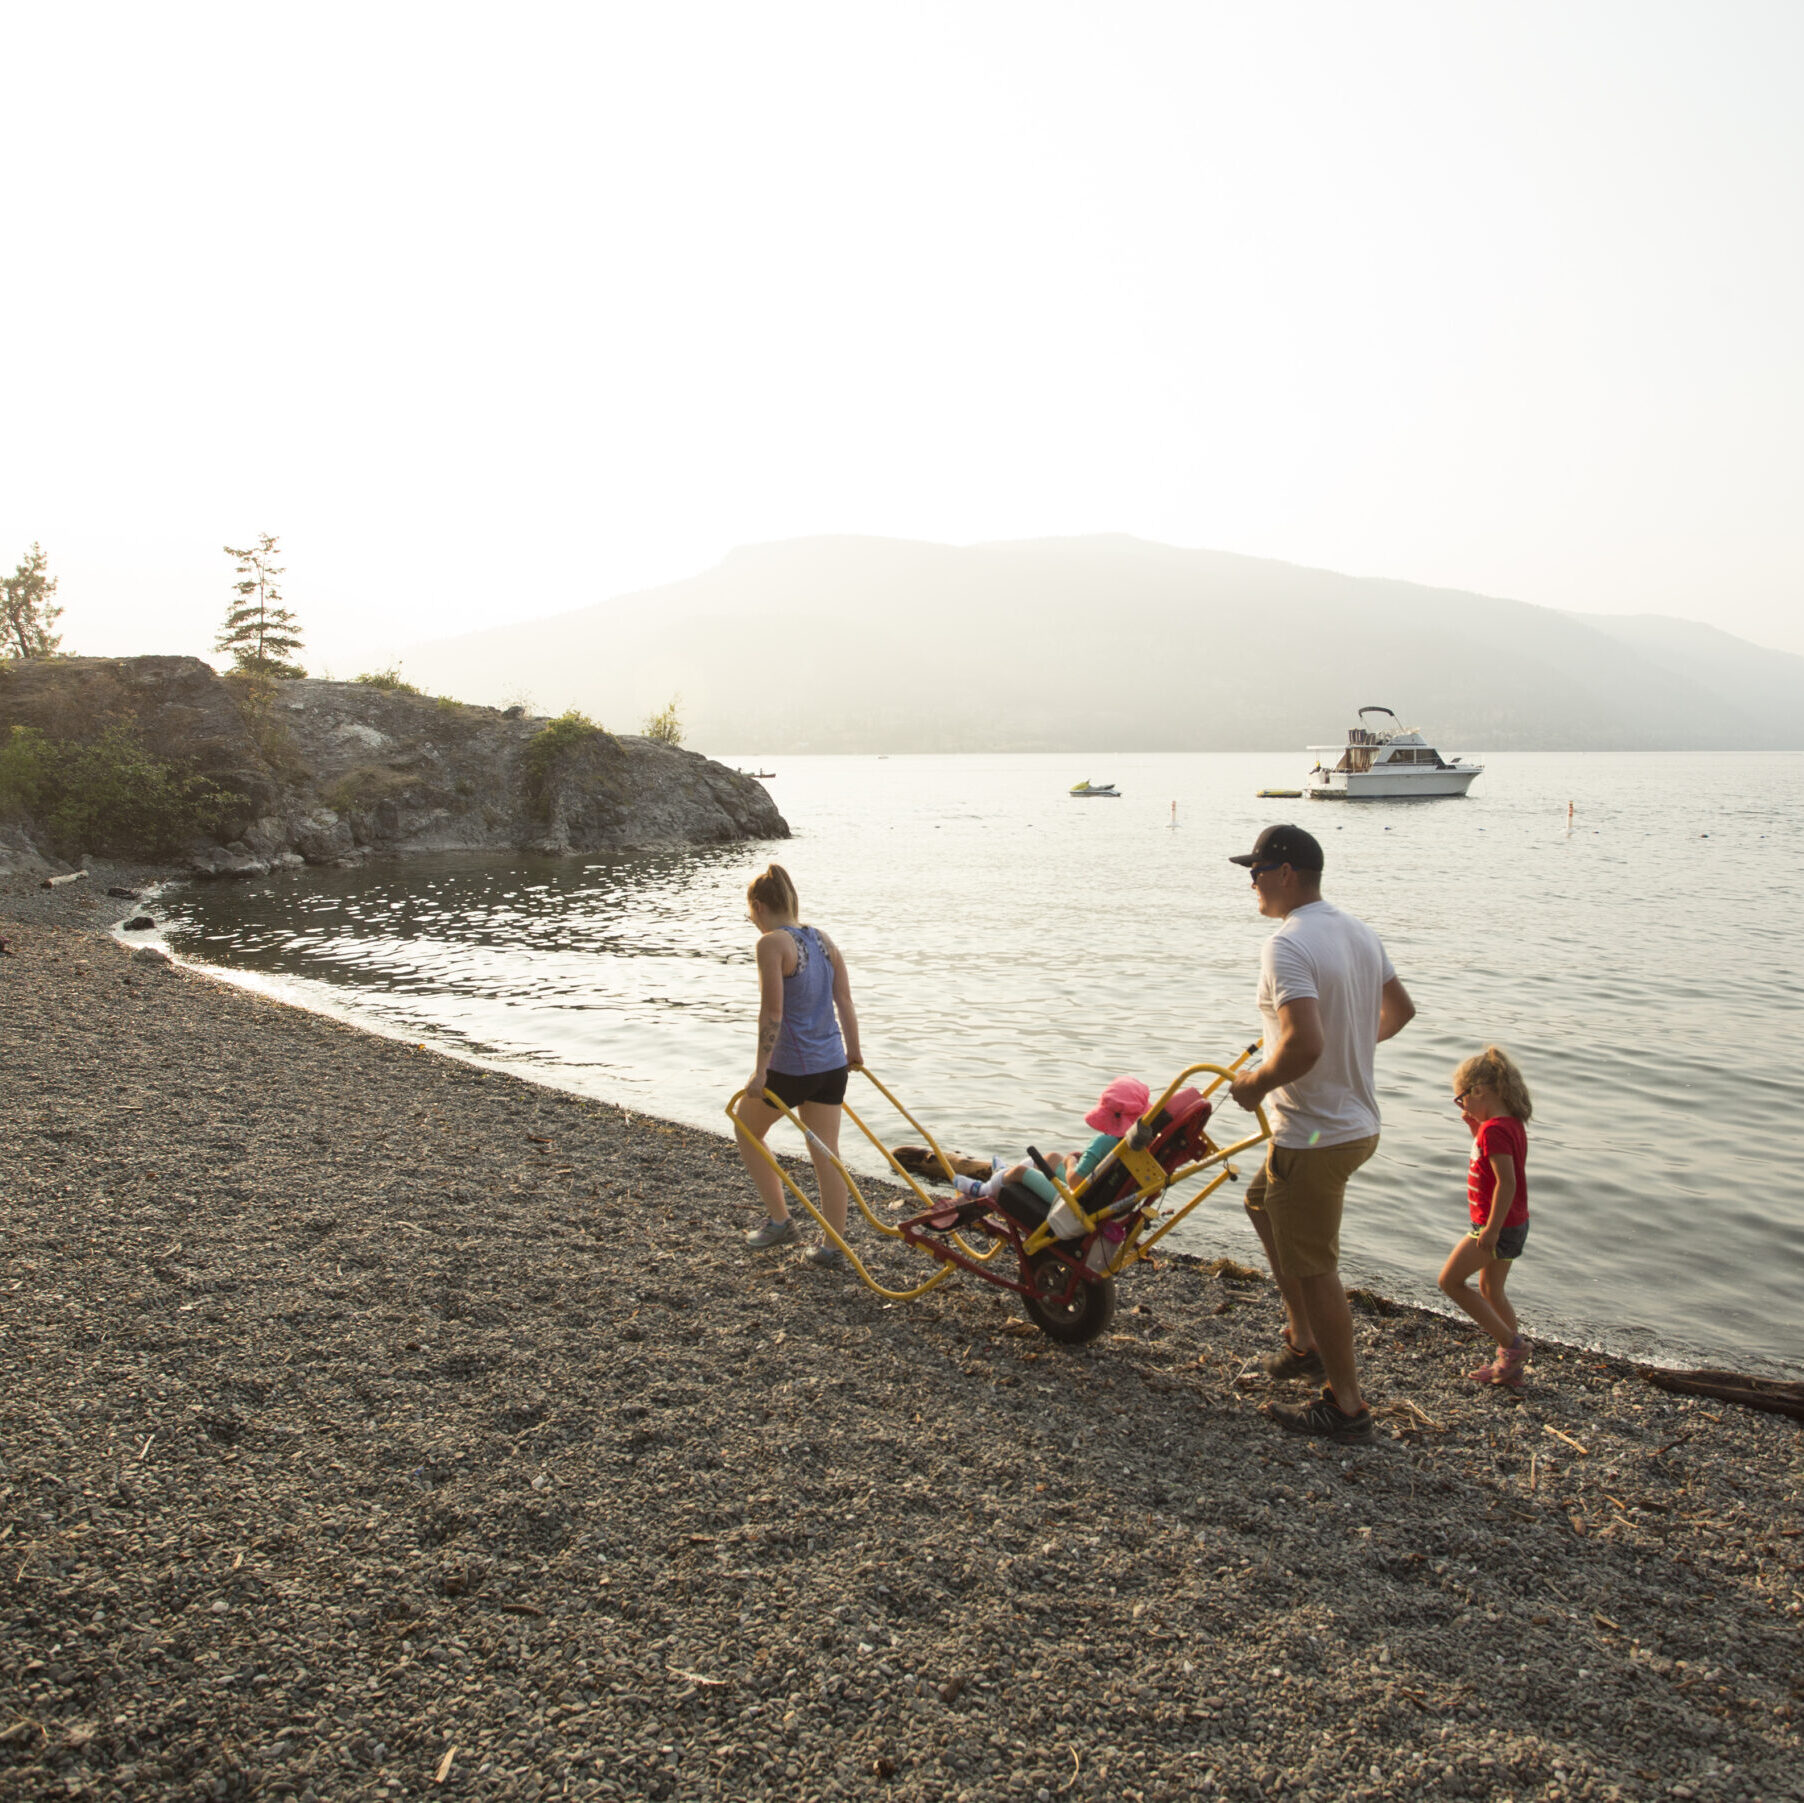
x: 1089, y: 791
x: 1386, y: 763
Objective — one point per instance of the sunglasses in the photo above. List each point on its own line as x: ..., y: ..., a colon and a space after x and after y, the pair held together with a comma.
x: 1256, y: 871
x: 1459, y: 1101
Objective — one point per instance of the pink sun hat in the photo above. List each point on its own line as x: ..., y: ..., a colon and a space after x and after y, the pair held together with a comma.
x: 1119, y: 1106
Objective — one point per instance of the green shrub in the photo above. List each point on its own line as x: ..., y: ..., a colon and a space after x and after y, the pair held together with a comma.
x: 108, y: 795
x: 547, y: 747
x: 389, y: 679
x: 255, y: 694
x: 24, y: 766
x: 664, y: 727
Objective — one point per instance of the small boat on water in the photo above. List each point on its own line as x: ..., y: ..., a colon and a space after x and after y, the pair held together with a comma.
x: 1089, y: 791
x: 1280, y: 794
x: 763, y: 776
x: 1386, y: 763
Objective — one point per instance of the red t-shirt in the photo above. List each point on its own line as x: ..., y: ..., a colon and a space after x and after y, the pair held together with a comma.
x: 1502, y: 1136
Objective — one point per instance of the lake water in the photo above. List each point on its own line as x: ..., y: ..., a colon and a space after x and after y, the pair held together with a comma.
x: 1012, y: 949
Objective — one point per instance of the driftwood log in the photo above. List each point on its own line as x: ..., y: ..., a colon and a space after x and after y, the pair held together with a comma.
x: 1777, y: 1397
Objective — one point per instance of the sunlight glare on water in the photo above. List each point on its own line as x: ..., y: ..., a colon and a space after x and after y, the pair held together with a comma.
x: 1012, y: 949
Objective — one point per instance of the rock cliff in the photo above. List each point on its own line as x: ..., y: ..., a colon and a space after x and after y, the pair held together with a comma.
x: 321, y: 772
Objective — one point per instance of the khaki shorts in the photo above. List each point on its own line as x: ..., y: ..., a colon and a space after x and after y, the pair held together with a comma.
x: 1300, y: 1190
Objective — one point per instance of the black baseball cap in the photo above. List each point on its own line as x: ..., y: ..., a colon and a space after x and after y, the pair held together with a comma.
x: 1284, y: 845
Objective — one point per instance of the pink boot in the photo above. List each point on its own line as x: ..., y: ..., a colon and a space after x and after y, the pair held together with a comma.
x: 1506, y: 1368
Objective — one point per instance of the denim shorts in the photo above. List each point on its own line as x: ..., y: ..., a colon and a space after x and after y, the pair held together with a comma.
x: 1510, y: 1240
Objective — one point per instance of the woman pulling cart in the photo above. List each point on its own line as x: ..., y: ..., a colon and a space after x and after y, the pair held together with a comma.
x: 807, y: 1042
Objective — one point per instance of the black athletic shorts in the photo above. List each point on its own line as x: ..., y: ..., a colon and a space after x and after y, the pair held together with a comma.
x: 818, y: 1086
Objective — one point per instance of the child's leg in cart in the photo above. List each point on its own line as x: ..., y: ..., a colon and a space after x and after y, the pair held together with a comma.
x: 756, y: 1118
x: 822, y: 1121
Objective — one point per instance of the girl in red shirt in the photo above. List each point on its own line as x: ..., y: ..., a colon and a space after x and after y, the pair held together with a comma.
x: 1493, y: 1100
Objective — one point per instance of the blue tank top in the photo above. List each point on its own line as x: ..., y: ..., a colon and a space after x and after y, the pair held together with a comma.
x: 808, y: 1041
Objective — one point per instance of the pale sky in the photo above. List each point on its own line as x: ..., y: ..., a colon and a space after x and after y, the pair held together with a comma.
x: 491, y: 312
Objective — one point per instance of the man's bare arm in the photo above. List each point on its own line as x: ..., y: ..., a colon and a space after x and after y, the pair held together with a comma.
x: 1395, y: 1009
x: 1298, y: 1050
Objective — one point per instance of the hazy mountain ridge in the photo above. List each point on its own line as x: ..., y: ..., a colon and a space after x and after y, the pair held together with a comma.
x: 1115, y: 643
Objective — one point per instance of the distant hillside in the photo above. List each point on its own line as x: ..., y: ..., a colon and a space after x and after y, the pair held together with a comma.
x: 1113, y: 643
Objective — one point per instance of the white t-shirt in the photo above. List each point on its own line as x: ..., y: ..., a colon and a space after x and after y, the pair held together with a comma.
x: 1322, y: 953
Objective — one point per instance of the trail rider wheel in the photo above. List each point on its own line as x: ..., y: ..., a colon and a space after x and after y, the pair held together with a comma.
x: 1072, y: 1319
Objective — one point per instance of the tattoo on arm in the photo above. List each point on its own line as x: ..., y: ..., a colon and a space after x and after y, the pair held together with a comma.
x: 767, y: 1039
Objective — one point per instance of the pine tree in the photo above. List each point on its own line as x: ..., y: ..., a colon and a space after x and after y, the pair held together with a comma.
x: 261, y: 634
x: 26, y: 611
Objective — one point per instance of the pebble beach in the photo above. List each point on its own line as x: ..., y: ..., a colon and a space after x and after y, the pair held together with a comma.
x: 376, y: 1424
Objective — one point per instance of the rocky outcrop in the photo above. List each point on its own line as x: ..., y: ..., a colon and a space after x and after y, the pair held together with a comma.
x: 20, y: 857
x: 329, y: 772
x: 183, y: 710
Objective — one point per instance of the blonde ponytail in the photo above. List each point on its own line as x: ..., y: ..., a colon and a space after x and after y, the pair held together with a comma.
x: 774, y: 892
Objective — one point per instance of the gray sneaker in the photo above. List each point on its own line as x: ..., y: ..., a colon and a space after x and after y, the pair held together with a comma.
x: 772, y: 1233
x: 830, y: 1257
x: 1324, y: 1418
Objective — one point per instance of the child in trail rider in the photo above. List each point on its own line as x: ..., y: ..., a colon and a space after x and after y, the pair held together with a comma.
x: 1117, y: 1109
x: 987, y: 1178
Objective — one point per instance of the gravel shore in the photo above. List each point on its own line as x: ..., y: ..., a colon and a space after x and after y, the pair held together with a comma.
x: 371, y: 1424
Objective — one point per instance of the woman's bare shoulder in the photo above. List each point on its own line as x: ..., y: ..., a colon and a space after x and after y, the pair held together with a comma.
x: 776, y: 947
